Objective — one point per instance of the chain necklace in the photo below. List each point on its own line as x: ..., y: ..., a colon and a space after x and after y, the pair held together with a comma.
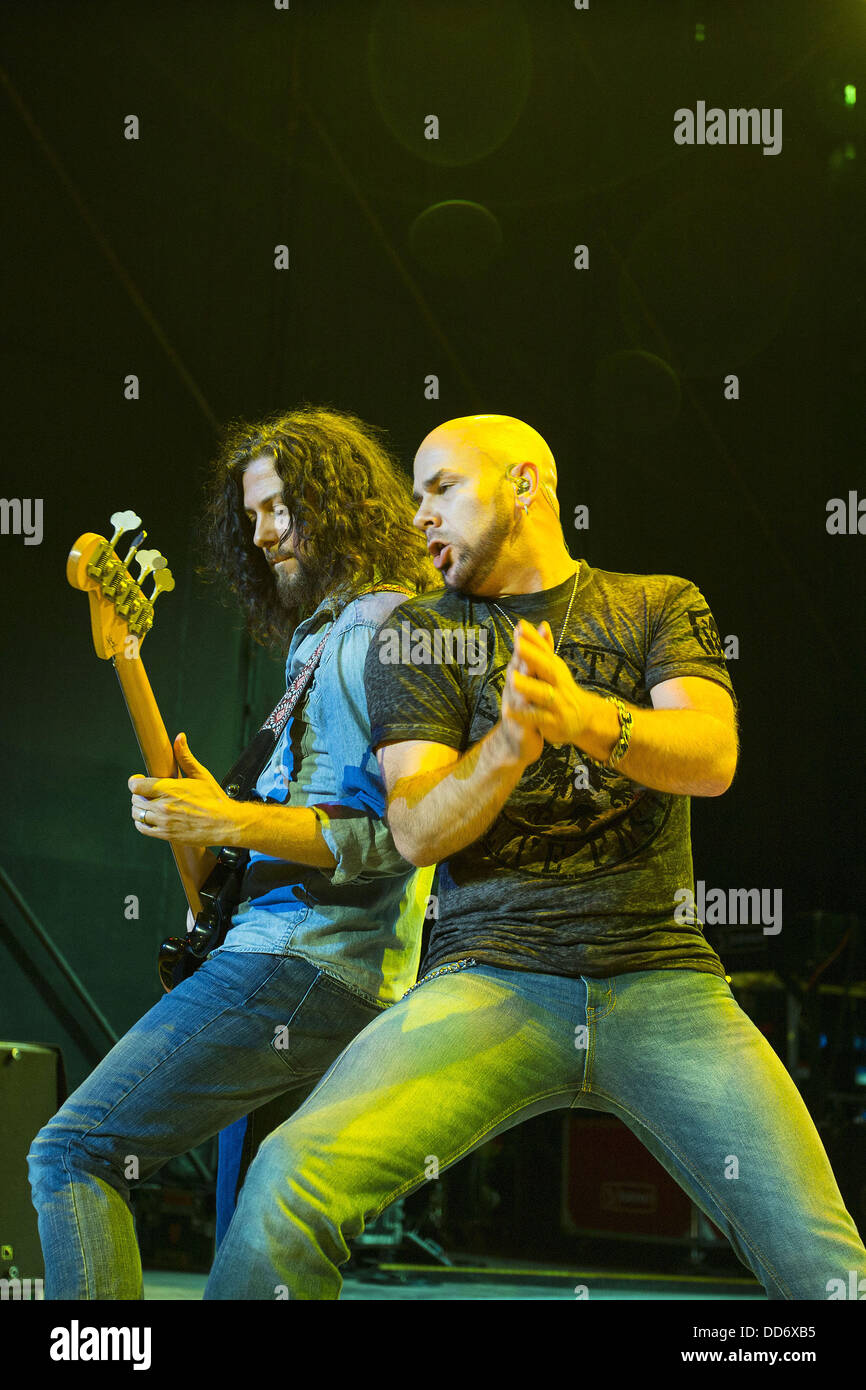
x: 567, y: 614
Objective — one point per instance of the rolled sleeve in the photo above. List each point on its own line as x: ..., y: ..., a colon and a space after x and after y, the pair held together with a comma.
x: 353, y: 819
x: 362, y: 846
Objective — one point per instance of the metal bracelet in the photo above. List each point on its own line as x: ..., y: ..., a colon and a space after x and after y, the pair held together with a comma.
x: 620, y: 748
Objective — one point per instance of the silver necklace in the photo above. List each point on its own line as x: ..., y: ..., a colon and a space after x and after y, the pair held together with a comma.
x: 567, y: 612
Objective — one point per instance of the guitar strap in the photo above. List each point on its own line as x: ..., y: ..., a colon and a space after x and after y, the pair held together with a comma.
x: 242, y: 777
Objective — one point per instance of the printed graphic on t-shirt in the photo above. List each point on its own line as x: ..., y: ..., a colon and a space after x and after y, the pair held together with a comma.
x: 572, y: 814
x: 704, y: 629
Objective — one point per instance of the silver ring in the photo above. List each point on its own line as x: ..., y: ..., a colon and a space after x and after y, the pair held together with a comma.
x: 142, y: 816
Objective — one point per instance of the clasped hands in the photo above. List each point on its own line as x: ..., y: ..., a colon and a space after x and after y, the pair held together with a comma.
x: 541, y: 700
x: 191, y: 810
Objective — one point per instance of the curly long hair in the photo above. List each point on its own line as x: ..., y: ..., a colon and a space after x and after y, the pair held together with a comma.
x: 349, y: 500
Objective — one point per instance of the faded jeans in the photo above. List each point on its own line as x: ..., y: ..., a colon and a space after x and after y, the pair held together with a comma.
x: 244, y: 1029
x: 469, y: 1053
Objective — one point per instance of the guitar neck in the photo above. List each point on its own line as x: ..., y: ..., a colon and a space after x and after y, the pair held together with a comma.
x: 193, y: 864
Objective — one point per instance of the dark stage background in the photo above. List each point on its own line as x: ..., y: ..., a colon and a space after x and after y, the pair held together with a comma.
x: 412, y: 258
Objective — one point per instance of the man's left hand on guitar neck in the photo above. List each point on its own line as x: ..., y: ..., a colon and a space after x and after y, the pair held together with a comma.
x: 194, y: 810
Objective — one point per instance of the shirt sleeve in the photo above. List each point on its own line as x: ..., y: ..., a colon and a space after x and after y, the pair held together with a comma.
x: 410, y: 695
x: 685, y: 640
x: 353, y: 826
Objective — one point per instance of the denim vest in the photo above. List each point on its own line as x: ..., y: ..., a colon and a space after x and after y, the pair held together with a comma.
x: 361, y: 921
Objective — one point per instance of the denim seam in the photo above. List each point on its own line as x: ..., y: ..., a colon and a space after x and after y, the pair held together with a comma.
x: 272, y: 948
x: 78, y: 1231
x: 594, y: 1014
x: 300, y: 1004
x: 586, y: 1084
x: 600, y: 1011
x: 698, y: 1183
x: 328, y: 653
x: 357, y: 993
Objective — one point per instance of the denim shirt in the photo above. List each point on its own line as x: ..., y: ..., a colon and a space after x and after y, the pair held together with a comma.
x: 360, y: 921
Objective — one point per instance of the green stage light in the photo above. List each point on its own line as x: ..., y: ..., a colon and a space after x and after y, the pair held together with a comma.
x: 850, y: 94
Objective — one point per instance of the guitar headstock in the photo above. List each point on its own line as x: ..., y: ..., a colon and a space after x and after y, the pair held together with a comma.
x: 121, y: 614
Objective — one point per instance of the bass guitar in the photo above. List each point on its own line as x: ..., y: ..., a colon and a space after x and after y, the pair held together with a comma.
x: 121, y: 615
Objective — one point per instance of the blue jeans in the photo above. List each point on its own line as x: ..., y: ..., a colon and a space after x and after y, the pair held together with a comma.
x: 243, y: 1030
x: 467, y: 1055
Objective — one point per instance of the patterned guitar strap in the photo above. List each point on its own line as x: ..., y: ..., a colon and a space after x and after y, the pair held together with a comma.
x: 245, y: 772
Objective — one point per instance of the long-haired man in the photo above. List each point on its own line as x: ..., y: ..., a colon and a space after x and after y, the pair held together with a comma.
x: 310, y: 526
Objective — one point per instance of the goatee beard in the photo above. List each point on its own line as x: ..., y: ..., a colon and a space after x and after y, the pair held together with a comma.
x: 298, y: 594
x: 480, y: 559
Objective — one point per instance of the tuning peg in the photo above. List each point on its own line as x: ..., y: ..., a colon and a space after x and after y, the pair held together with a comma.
x: 149, y: 560
x: 122, y: 521
x: 134, y: 547
x: 163, y: 582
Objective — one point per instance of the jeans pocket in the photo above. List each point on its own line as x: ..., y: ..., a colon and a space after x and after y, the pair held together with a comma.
x: 326, y: 1021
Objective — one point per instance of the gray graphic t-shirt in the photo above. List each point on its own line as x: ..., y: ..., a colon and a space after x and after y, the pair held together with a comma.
x: 578, y: 873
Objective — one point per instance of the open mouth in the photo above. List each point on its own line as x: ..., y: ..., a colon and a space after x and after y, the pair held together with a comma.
x: 440, y: 553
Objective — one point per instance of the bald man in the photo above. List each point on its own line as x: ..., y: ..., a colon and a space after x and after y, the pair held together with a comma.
x: 566, y: 968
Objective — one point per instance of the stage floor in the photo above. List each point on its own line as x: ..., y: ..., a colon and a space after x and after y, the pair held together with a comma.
x: 503, y: 1282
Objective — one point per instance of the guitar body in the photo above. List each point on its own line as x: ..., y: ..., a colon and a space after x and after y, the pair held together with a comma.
x: 179, y: 956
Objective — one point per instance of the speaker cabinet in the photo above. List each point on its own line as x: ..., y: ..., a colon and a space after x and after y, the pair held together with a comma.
x: 32, y: 1088
x: 613, y: 1186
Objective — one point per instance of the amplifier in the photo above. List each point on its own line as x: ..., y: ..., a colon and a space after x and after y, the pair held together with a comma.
x: 613, y: 1186
x: 32, y: 1088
